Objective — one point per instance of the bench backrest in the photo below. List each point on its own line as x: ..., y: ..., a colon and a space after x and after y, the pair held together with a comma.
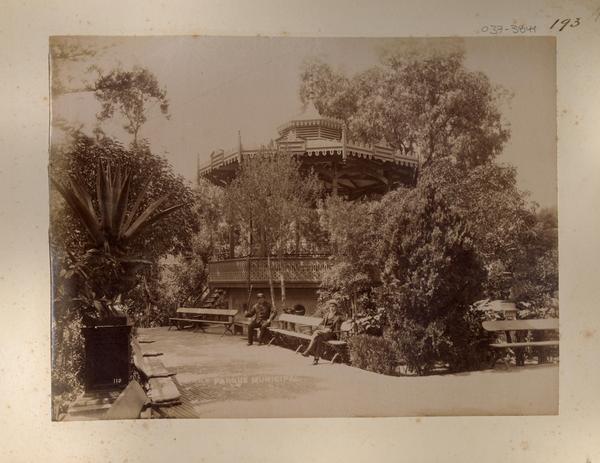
x: 203, y: 311
x: 517, y: 325
x: 300, y: 319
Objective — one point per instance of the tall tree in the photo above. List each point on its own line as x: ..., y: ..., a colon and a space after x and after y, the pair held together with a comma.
x: 431, y: 275
x: 129, y: 93
x: 423, y: 104
x: 353, y: 229
x: 268, y: 197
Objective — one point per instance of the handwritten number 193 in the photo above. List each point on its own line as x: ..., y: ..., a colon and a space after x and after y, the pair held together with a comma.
x: 562, y: 23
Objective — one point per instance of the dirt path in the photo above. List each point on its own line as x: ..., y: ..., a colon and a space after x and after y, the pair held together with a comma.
x: 221, y: 377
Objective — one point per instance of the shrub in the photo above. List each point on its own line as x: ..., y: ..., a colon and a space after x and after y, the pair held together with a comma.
x: 458, y: 340
x: 468, y: 349
x: 419, y: 346
x: 372, y: 353
x: 67, y: 364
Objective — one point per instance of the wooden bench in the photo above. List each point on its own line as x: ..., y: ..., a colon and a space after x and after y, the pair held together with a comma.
x: 203, y: 316
x: 294, y: 326
x: 162, y: 391
x: 521, y: 328
x: 240, y: 325
x: 302, y: 327
x: 340, y: 344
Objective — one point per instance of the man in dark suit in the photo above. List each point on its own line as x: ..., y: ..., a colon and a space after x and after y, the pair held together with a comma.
x: 261, y: 318
x: 327, y: 330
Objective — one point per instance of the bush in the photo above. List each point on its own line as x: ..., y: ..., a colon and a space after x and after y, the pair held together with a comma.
x: 372, y: 353
x: 457, y: 340
x: 67, y: 364
x: 468, y: 349
x: 419, y: 346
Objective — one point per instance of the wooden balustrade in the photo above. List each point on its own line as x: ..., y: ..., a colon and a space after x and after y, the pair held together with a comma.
x: 297, y: 271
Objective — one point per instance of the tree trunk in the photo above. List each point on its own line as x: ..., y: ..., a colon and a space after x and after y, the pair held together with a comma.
x: 282, y: 290
x: 269, y: 272
x: 250, y: 244
x: 281, y: 276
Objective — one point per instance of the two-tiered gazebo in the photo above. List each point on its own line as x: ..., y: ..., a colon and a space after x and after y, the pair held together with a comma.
x: 348, y: 169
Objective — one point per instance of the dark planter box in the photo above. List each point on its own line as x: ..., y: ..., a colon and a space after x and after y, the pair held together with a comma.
x: 107, y: 355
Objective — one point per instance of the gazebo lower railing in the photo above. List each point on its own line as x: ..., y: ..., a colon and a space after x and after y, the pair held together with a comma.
x: 300, y: 271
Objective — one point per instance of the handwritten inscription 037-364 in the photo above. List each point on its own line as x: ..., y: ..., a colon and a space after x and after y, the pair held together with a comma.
x: 498, y: 29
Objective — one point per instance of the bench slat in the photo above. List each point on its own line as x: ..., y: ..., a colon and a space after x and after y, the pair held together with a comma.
x: 201, y: 320
x: 295, y: 334
x: 300, y: 319
x: 524, y: 344
x: 335, y: 342
x: 201, y: 311
x: 151, y: 367
x: 516, y: 325
x: 163, y: 390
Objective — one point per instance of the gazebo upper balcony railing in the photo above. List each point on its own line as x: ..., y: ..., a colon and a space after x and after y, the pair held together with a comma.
x: 379, y: 151
x: 297, y: 271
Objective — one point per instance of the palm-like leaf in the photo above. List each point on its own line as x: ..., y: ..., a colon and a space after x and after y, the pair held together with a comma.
x: 83, y: 210
x: 144, y: 220
x: 112, y: 225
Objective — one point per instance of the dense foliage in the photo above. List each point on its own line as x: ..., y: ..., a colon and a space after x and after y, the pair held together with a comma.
x: 96, y: 267
x: 270, y: 200
x: 184, y: 276
x: 417, y: 260
x: 422, y: 103
x: 373, y: 353
x: 432, y: 273
x: 354, y: 271
x: 79, y: 157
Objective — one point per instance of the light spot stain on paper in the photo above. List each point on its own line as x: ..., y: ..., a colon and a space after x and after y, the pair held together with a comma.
x: 588, y: 333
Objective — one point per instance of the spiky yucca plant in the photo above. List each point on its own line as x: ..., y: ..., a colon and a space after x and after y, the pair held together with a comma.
x: 116, y: 222
x: 107, y: 271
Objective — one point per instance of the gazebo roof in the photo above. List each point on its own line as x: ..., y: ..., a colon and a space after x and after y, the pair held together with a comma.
x: 320, y: 144
x: 308, y: 118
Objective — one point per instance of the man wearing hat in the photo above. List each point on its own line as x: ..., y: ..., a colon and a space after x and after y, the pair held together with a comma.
x: 261, y: 318
x: 326, y: 331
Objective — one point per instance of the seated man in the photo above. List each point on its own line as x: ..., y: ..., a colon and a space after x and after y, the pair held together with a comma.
x: 261, y: 318
x: 326, y: 331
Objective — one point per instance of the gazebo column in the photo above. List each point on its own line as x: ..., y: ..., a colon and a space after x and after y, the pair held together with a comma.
x: 231, y: 242
x: 297, y: 236
x: 334, y: 178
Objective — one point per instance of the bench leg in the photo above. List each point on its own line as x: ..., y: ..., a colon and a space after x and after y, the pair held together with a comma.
x: 298, y: 348
x: 494, y: 358
x: 227, y: 328
x: 337, y: 354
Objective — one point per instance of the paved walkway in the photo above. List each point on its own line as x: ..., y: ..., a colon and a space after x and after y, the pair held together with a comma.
x: 221, y: 377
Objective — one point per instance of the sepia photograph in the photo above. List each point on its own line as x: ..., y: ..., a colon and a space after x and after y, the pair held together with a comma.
x: 278, y: 227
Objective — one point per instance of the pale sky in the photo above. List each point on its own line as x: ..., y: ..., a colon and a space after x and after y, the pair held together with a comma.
x: 217, y: 86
